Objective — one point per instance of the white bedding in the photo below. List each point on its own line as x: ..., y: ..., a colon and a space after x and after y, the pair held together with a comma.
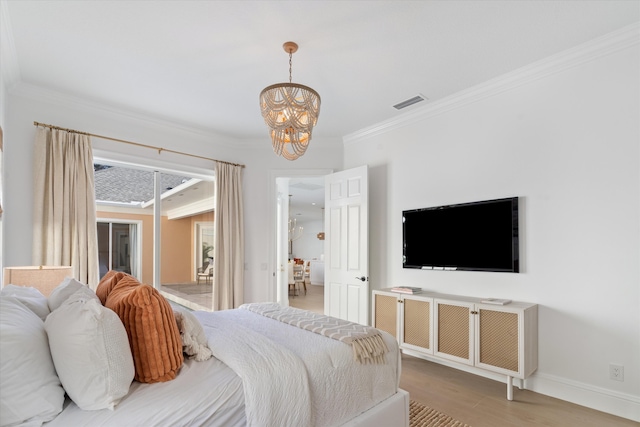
x: 340, y: 389
x: 210, y: 393
x: 275, y: 382
x: 203, y: 394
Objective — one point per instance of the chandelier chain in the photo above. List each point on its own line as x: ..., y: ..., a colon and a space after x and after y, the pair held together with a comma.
x: 290, y: 55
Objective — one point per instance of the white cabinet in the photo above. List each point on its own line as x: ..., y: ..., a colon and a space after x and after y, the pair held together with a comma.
x: 407, y: 317
x: 316, y: 273
x: 463, y: 330
x: 385, y: 312
x: 453, y: 330
x: 415, y: 324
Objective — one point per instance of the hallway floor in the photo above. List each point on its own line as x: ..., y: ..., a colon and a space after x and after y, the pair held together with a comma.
x: 313, y: 300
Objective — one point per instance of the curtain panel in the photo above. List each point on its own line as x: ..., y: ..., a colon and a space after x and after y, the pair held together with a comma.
x: 64, y: 220
x: 228, y: 250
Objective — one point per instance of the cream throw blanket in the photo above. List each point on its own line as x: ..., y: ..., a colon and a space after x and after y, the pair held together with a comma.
x: 366, y: 342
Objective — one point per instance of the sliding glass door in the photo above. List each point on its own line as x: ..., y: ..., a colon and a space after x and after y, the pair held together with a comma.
x: 118, y: 247
x: 158, y: 227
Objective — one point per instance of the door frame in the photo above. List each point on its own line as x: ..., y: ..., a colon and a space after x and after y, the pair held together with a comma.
x: 199, y: 228
x: 278, y: 283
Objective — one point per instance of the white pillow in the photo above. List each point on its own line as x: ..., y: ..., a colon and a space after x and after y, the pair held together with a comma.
x: 64, y: 290
x: 30, y: 297
x: 30, y: 391
x: 90, y: 350
x: 194, y: 340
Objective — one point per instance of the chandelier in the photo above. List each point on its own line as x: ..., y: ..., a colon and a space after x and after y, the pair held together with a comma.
x: 294, y: 232
x: 290, y: 110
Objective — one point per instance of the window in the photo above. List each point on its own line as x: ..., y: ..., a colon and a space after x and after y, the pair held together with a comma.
x: 118, y: 246
x: 162, y: 242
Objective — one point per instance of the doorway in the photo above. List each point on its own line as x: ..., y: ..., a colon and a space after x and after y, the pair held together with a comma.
x: 203, y: 249
x: 299, y: 204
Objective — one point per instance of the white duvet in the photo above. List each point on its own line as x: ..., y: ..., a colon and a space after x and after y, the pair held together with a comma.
x: 264, y: 373
x: 276, y: 390
x: 339, y: 388
x: 203, y: 394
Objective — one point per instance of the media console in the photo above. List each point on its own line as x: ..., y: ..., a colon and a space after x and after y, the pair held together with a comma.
x: 497, y: 338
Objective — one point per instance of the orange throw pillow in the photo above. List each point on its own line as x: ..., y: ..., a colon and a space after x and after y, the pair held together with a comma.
x: 108, y: 282
x: 150, y: 323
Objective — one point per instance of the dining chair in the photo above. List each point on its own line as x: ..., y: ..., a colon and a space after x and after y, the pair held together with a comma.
x: 292, y: 282
x: 298, y: 277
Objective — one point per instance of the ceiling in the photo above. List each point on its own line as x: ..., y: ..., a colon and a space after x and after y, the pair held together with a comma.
x: 307, y: 198
x: 204, y: 63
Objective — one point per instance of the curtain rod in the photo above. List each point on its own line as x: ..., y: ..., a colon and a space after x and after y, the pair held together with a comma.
x: 160, y: 150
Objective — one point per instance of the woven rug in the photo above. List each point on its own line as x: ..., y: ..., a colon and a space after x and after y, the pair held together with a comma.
x: 423, y: 416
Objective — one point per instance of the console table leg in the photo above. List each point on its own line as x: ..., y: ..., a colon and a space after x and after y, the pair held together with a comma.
x: 509, y: 387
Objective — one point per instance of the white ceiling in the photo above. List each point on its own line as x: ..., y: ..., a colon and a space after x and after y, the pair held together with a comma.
x: 307, y: 198
x: 203, y: 63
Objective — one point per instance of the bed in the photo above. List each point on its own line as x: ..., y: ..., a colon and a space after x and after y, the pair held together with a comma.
x: 263, y: 369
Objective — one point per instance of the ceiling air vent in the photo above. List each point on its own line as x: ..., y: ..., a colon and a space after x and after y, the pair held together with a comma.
x: 408, y: 102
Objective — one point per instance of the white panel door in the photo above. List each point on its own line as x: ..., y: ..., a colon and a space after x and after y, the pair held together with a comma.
x: 346, y: 291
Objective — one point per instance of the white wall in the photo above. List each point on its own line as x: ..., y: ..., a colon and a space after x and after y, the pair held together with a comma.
x: 6, y: 74
x: 567, y: 141
x: 28, y: 104
x: 308, y: 247
x: 3, y: 98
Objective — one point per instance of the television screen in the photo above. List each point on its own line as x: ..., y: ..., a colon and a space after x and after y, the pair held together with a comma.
x: 479, y: 236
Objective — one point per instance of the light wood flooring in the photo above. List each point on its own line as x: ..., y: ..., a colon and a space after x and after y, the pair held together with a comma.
x: 475, y: 400
x: 482, y: 402
x: 313, y: 300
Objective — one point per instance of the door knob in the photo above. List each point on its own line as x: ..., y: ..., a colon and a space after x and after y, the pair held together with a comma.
x: 362, y: 278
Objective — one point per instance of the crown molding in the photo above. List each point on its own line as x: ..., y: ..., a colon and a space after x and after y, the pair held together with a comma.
x: 621, y: 39
x: 41, y: 94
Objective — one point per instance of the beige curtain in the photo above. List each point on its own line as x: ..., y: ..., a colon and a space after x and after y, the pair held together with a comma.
x: 64, y: 213
x: 228, y: 248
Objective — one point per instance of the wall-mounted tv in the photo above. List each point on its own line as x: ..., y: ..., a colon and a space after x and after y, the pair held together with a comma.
x: 477, y: 236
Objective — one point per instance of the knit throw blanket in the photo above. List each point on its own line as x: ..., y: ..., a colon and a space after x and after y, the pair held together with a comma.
x: 366, y: 342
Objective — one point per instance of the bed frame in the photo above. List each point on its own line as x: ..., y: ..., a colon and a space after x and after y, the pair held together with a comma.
x: 394, y: 411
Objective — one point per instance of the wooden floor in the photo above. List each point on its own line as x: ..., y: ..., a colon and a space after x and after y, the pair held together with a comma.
x: 312, y: 300
x: 482, y: 402
x: 475, y: 400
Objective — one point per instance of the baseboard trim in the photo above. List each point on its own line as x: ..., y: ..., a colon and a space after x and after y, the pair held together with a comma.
x: 598, y: 398
x: 604, y: 400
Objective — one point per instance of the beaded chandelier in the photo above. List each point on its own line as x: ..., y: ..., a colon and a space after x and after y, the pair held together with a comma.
x: 290, y: 110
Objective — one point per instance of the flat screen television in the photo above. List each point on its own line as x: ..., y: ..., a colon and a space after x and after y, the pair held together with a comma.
x: 478, y: 236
